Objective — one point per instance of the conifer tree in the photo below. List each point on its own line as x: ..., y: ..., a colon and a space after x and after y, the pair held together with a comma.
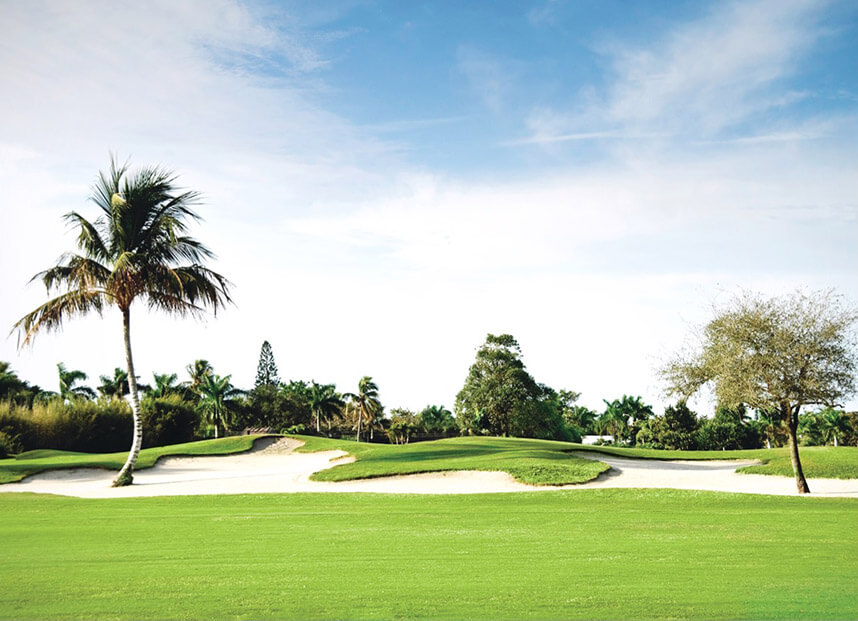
x: 266, y: 370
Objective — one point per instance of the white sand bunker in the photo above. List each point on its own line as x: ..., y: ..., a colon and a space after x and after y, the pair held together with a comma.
x: 274, y: 467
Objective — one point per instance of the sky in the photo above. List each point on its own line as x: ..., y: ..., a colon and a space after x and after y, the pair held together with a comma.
x: 385, y: 183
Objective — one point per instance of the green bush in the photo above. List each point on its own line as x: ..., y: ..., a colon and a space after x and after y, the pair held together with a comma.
x: 8, y: 445
x: 168, y: 420
x: 103, y: 426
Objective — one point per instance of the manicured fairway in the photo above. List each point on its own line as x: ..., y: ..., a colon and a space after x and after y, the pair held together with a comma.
x: 563, y: 554
x: 537, y: 462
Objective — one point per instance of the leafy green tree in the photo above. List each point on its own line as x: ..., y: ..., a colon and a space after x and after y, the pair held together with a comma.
x: 218, y: 400
x: 437, y: 420
x: 676, y: 430
x: 325, y: 404
x: 730, y: 429
x: 777, y: 354
x: 115, y: 387
x: 498, y: 388
x: 266, y: 369
x: 403, y: 425
x: 69, y: 389
x: 137, y: 249
x: 580, y: 417
x: 366, y: 404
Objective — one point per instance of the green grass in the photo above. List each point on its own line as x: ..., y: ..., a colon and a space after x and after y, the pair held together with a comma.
x: 537, y: 462
x: 31, y: 462
x: 825, y: 462
x: 605, y: 554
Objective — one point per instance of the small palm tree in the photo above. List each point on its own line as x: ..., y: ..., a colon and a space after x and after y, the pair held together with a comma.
x: 325, y: 403
x: 197, y: 370
x: 137, y: 249
x: 614, y: 419
x: 115, y: 387
x: 768, y: 424
x: 68, y: 380
x: 832, y: 424
x: 217, y: 395
x: 166, y: 384
x: 365, y: 402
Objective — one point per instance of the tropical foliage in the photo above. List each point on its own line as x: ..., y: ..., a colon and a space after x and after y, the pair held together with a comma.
x: 136, y: 249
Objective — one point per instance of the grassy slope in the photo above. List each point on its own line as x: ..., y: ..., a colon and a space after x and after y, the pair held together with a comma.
x: 578, y: 554
x: 825, y: 462
x: 32, y: 462
x: 537, y: 462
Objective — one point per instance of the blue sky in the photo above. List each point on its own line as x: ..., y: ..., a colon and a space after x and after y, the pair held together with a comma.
x: 386, y: 182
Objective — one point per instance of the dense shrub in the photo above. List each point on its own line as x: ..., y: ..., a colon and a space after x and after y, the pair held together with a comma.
x: 675, y: 430
x: 8, y: 445
x: 168, y: 420
x: 103, y: 426
x: 728, y: 430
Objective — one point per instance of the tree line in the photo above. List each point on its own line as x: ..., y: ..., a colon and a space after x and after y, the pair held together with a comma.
x: 775, y: 356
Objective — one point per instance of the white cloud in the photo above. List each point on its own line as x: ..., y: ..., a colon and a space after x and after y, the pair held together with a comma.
x: 700, y: 79
x: 351, y: 262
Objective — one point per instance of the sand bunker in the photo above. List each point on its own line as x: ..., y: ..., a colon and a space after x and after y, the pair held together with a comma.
x: 274, y: 467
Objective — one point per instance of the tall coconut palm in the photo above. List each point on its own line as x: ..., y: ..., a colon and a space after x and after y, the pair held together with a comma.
x: 69, y: 390
x: 136, y: 249
x: 325, y: 403
x: 217, y: 395
x: 366, y: 402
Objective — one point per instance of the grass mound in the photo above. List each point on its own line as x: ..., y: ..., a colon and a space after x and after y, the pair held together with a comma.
x: 32, y: 462
x: 535, y: 462
x: 821, y: 462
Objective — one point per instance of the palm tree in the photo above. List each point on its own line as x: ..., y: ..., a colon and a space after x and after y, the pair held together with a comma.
x: 115, y: 387
x: 217, y: 394
x: 165, y: 384
x: 832, y: 423
x: 324, y: 403
x: 137, y: 249
x: 197, y: 370
x: 68, y: 390
x: 614, y: 419
x: 366, y: 402
x: 768, y: 424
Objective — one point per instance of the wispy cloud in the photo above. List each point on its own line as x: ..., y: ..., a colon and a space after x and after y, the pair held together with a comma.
x: 700, y: 79
x: 489, y: 77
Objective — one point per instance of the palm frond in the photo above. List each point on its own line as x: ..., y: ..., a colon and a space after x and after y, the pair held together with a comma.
x: 51, y: 315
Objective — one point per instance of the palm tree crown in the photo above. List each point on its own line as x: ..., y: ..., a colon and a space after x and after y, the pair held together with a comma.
x: 136, y: 249
x: 366, y: 402
x: 69, y: 388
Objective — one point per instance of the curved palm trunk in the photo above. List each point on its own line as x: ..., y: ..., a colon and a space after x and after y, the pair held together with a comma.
x: 125, y: 476
x: 792, y: 428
